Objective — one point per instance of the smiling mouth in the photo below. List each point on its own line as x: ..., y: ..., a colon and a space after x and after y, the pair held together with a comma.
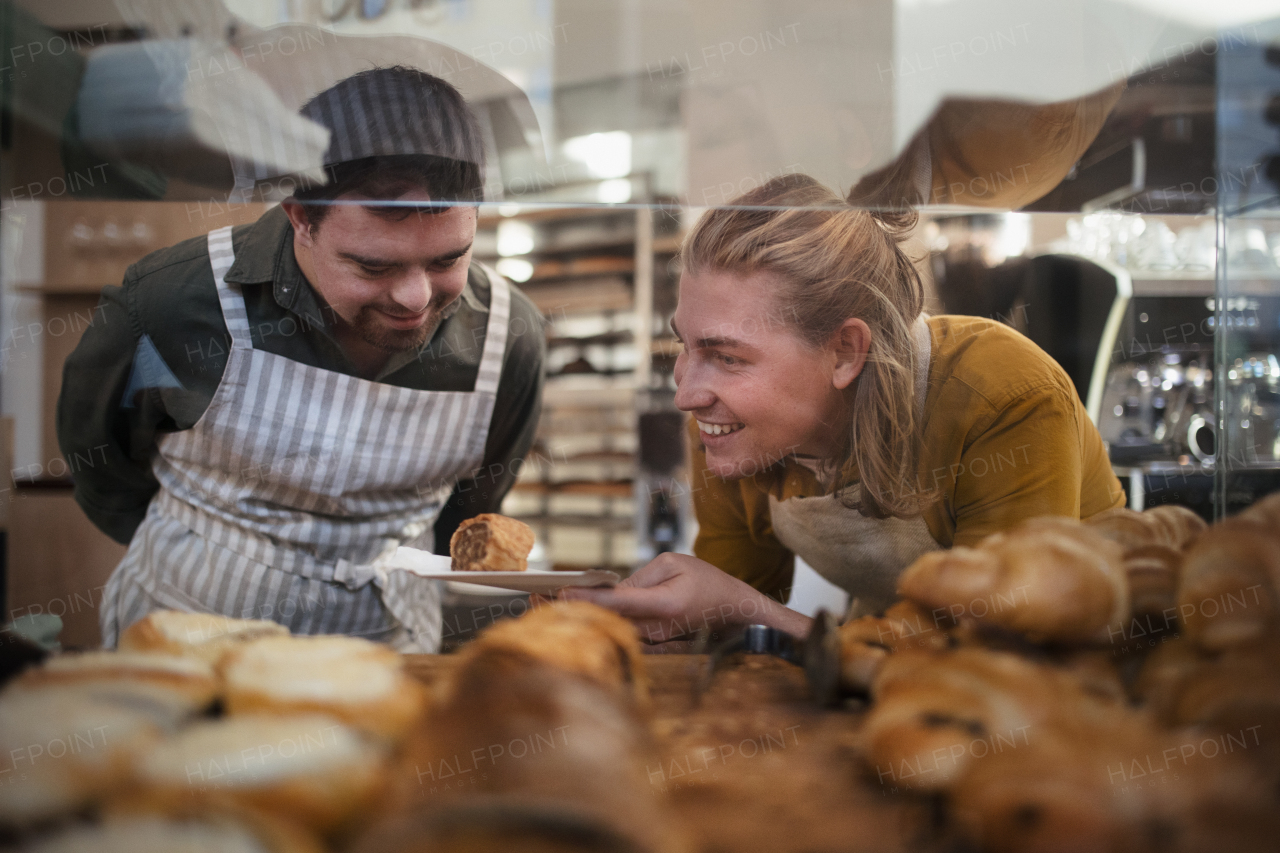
x: 718, y: 429
x: 402, y: 319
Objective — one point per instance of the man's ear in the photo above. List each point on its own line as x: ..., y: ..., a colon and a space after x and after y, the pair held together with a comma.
x: 298, y: 218
x: 849, y: 346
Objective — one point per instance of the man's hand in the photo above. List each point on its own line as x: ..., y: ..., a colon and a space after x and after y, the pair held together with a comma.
x: 675, y: 595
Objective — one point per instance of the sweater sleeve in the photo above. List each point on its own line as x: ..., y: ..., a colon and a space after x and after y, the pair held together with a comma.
x: 108, y: 418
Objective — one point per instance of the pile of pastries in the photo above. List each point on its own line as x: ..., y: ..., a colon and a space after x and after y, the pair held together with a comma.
x: 215, y: 734
x: 202, y: 732
x: 1106, y: 685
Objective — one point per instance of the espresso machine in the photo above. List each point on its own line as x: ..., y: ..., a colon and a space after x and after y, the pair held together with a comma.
x: 1139, y: 347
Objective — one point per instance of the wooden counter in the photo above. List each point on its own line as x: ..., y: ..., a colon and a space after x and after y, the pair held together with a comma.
x: 756, y: 767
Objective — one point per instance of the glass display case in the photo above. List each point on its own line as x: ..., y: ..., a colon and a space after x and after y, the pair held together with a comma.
x: 1247, y: 312
x: 1072, y: 207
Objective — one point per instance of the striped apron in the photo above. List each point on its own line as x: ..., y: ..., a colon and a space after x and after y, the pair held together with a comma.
x: 296, y: 483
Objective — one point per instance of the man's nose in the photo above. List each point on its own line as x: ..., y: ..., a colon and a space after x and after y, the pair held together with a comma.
x: 413, y: 291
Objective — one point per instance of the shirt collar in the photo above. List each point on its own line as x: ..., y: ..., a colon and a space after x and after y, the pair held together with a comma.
x: 265, y: 255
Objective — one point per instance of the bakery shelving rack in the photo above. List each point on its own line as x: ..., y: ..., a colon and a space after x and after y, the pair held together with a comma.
x: 600, y: 275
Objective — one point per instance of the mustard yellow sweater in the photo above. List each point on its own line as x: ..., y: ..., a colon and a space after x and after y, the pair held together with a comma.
x: 1005, y: 437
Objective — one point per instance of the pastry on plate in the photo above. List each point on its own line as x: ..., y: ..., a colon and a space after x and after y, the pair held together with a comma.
x: 207, y: 636
x: 360, y: 682
x: 307, y: 768
x: 491, y: 543
x: 574, y: 636
x: 61, y: 751
x: 1048, y: 579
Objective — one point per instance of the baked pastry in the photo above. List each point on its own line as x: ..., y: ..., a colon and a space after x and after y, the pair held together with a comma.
x: 1128, y: 527
x: 1182, y: 526
x: 520, y: 733
x: 1172, y: 526
x: 207, y: 636
x: 1086, y: 785
x: 867, y: 641
x: 306, y: 768
x: 1265, y: 511
x: 491, y: 543
x: 1152, y: 572
x: 61, y: 751
x: 1231, y: 584
x: 362, y: 683
x: 181, y: 686
x: 1049, y: 579
x: 574, y: 636
x: 248, y: 833
x: 937, y: 712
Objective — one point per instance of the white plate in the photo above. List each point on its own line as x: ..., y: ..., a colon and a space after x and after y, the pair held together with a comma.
x: 540, y: 582
x: 424, y: 564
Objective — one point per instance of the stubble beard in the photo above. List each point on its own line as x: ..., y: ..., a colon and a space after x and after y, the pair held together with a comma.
x: 371, y: 330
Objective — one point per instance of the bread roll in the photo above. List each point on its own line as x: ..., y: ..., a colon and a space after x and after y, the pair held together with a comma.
x: 161, y: 834
x: 207, y: 636
x: 574, y: 636
x: 309, y: 769
x: 1231, y: 584
x: 1049, y: 579
x: 61, y: 751
x: 491, y: 543
x: 361, y: 683
x: 186, y: 685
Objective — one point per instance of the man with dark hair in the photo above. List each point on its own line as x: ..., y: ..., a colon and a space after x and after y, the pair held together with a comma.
x: 283, y: 404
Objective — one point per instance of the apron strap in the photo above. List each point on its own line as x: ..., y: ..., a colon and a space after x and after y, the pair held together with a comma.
x: 495, y: 335
x: 221, y: 257
x: 924, y: 354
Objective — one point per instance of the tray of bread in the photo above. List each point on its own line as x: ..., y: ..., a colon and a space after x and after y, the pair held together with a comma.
x: 492, y: 551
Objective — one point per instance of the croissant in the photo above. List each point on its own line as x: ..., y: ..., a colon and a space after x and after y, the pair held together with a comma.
x: 935, y: 713
x: 1049, y: 579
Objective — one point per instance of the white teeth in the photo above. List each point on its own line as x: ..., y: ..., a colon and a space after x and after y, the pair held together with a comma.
x: 719, y: 429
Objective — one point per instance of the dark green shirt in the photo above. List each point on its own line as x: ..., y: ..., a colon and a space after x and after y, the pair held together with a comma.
x: 154, y: 355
